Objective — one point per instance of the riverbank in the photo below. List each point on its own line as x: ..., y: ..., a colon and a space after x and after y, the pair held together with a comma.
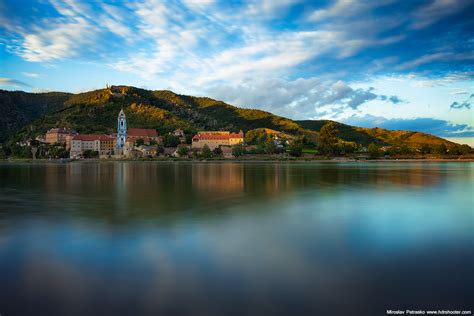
x: 253, y: 159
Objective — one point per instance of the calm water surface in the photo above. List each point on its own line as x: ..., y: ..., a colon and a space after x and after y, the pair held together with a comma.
x: 129, y: 238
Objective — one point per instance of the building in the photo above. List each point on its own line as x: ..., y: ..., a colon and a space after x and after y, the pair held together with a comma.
x: 214, y: 139
x: 58, y: 135
x: 180, y: 134
x: 147, y: 134
x: 227, y: 152
x: 103, y: 144
x: 121, y: 132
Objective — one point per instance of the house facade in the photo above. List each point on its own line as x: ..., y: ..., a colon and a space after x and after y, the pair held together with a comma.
x: 215, y: 139
x: 147, y: 134
x: 103, y: 144
x: 58, y: 135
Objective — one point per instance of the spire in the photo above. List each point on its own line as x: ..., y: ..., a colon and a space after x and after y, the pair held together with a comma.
x: 121, y: 113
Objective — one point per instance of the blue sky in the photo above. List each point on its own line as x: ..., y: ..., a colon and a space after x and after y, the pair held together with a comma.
x: 386, y: 63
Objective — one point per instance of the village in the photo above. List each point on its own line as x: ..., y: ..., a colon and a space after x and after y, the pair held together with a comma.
x: 133, y: 143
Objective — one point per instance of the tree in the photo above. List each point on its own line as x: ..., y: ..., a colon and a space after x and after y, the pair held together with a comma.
x: 3, y: 155
x: 171, y: 140
x: 183, y: 151
x: 21, y: 151
x: 328, y: 138
x: 217, y: 152
x: 295, y: 149
x: 153, y: 142
x: 374, y: 151
x: 195, y: 152
x: 34, y: 150
x: 58, y: 152
x: 237, y: 150
x: 270, y: 147
x: 460, y: 149
x: 159, y: 149
x: 425, y: 149
x: 90, y: 153
x: 189, y: 138
x: 206, y: 152
x: 139, y: 142
x: 465, y: 149
x: 442, y: 150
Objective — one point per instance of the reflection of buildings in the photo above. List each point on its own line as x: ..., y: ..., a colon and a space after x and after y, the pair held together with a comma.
x: 130, y: 189
x: 218, y: 178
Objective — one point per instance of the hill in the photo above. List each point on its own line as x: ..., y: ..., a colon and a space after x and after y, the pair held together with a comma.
x: 31, y: 114
x: 19, y: 108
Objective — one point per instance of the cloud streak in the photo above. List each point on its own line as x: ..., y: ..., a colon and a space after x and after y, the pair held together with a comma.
x: 9, y: 82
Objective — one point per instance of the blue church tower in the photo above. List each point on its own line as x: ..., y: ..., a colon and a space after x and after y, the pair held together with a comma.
x: 121, y: 132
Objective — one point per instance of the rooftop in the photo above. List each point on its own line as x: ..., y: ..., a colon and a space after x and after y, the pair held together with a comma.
x: 142, y: 132
x: 92, y: 137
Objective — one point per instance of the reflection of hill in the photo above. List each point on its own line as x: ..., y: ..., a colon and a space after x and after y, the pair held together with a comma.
x: 135, y: 190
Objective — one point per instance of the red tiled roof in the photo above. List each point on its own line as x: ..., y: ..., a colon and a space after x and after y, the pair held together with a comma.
x: 141, y: 132
x: 92, y: 137
x: 217, y: 137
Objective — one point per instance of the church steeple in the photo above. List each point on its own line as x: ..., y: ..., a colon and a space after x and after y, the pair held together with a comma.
x: 121, y: 131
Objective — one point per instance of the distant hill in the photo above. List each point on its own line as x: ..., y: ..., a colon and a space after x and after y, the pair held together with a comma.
x: 19, y: 108
x: 381, y: 136
x: 31, y: 114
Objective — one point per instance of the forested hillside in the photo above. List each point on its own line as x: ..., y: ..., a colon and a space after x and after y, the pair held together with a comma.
x: 27, y: 115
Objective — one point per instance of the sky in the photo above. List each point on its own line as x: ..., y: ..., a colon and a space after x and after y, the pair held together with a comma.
x: 388, y: 63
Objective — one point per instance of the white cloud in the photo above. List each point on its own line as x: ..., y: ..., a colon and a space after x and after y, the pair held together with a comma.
x: 301, y: 98
x: 435, y: 57
x: 30, y: 74
x: 59, y: 41
x: 435, y: 11
x: 9, y: 82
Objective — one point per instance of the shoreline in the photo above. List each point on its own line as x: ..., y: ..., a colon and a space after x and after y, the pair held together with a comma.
x: 233, y: 160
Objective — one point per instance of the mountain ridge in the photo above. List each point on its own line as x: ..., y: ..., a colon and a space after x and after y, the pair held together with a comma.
x: 96, y: 111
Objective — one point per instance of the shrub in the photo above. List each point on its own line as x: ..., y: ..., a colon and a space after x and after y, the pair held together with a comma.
x: 237, y: 150
x: 206, y: 152
x: 295, y: 149
x: 374, y: 151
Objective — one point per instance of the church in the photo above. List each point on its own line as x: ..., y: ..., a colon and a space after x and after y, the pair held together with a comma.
x: 126, y: 138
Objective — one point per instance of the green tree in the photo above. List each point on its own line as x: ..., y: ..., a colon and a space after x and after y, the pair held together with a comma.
x: 295, y: 149
x: 374, y: 151
x: 90, y: 153
x: 159, y: 149
x: 189, y: 138
x: 425, y: 149
x: 328, y: 138
x: 441, y: 149
x: 465, y: 149
x: 3, y: 155
x: 139, y: 142
x: 58, y: 151
x: 171, y: 140
x: 237, y: 150
x: 217, y: 152
x: 183, y: 151
x: 195, y: 152
x: 153, y: 142
x: 206, y: 152
x: 270, y: 147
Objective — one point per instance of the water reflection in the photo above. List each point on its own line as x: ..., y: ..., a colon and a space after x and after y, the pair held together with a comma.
x: 154, y: 188
x: 235, y: 238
